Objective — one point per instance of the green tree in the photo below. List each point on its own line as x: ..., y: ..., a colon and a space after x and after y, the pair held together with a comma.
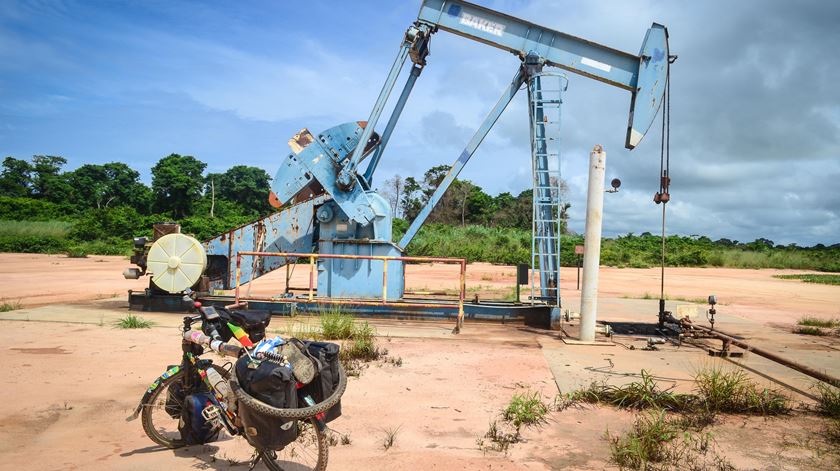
x: 16, y: 178
x: 246, y: 186
x: 176, y: 184
x: 109, y: 185
x: 412, y: 200
x: 48, y: 182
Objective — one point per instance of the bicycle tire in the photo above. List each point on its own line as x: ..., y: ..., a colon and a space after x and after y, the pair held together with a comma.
x: 301, y: 413
x: 146, y: 414
x: 323, y: 451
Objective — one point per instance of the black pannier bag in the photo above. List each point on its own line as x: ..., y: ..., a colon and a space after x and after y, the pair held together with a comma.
x: 253, y: 323
x: 274, y: 385
x: 326, y: 381
x: 194, y: 428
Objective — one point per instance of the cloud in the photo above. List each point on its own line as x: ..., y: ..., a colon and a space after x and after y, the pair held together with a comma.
x: 755, y: 128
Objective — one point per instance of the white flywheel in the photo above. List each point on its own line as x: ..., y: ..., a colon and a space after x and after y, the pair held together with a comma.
x: 176, y: 262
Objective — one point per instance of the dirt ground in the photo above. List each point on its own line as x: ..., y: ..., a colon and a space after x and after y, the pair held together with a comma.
x: 753, y: 294
x: 72, y: 378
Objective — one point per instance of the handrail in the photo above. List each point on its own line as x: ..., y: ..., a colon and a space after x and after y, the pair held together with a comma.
x: 312, y: 257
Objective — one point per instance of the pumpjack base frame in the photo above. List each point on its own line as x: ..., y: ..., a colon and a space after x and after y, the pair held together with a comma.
x: 533, y: 315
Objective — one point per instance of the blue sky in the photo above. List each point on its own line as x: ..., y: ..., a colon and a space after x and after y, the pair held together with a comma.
x: 755, y: 126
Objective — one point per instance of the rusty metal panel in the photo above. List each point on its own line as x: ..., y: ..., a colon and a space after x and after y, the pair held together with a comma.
x: 289, y: 230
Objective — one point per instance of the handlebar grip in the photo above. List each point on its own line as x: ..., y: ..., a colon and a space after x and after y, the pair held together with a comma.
x: 216, y: 345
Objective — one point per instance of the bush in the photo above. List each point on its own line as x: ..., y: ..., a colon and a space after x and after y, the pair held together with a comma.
x: 33, y: 244
x: 30, y: 209
x: 121, y: 222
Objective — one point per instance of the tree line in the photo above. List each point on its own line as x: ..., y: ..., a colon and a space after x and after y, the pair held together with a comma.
x: 464, y: 203
x: 98, y: 208
x: 179, y: 187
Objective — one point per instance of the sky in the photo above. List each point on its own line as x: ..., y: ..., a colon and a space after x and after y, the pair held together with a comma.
x: 755, y: 99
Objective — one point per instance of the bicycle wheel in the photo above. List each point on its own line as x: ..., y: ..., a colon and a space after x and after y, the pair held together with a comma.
x: 160, y: 426
x: 308, y: 452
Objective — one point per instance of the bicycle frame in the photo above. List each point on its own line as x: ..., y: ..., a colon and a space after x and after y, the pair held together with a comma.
x: 193, y: 370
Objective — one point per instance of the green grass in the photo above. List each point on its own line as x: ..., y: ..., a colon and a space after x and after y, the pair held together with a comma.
x: 526, y: 409
x: 647, y: 442
x: 815, y: 322
x: 642, y: 394
x: 811, y: 278
x: 362, y: 344
x: 716, y: 390
x: 7, y: 306
x: 658, y: 442
x: 807, y: 330
x: 134, y: 322
x: 732, y: 391
x: 57, y: 229
x: 336, y: 324
x: 828, y: 402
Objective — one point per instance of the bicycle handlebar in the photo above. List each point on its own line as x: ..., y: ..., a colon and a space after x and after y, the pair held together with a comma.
x: 223, y: 348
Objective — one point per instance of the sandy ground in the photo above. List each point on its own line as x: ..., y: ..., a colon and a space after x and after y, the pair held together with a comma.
x: 71, y: 378
x: 36, y: 280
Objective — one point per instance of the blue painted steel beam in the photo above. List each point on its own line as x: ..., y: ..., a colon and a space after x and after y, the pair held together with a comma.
x: 469, y: 150
x: 643, y: 75
x: 392, y: 122
x: 348, y: 173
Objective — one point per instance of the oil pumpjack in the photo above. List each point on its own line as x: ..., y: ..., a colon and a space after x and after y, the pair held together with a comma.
x: 327, y: 205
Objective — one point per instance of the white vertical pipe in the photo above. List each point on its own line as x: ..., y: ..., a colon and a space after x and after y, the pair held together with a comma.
x: 592, y: 243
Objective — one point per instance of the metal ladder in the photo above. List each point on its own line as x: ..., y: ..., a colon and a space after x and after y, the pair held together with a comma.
x: 544, y: 102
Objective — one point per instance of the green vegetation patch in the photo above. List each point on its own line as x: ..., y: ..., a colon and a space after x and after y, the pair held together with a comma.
x: 717, y: 390
x: 825, y: 279
x: 817, y: 322
x: 134, y: 322
x: 526, y: 409
x: 336, y: 325
x: 657, y: 441
x: 7, y: 306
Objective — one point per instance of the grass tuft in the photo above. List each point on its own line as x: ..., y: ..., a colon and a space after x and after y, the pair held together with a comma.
x: 808, y: 330
x: 816, y: 322
x: 336, y: 324
x: 7, y: 306
x: 828, y: 402
x: 526, y: 409
x: 657, y: 442
x: 390, y: 437
x: 733, y: 391
x: 134, y: 322
x: 642, y: 394
x: 717, y: 390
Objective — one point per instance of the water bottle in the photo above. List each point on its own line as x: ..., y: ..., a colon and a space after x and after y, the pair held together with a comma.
x: 220, y: 385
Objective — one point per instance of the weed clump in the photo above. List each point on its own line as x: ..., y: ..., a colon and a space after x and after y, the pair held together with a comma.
x: 134, y: 322
x: 526, y: 409
x: 638, y: 395
x: 336, y: 325
x: 390, y: 437
x: 816, y: 322
x: 658, y: 442
x: 733, y: 391
x: 7, y: 306
x: 717, y: 390
x: 828, y: 402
